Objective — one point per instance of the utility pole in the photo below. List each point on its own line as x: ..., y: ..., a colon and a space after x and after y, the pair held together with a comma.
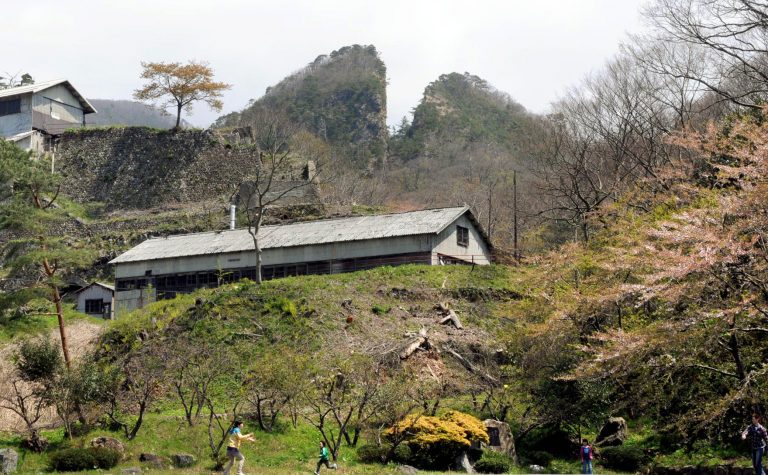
x: 514, y: 214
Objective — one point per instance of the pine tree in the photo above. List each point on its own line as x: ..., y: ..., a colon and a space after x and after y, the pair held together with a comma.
x: 28, y: 194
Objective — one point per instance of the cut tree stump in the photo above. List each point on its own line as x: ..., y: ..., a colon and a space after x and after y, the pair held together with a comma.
x: 421, y: 341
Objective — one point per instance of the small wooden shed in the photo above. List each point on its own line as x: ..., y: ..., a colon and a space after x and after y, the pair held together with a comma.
x: 96, y: 299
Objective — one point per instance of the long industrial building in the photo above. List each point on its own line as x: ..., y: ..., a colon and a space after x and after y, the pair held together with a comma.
x: 159, y: 268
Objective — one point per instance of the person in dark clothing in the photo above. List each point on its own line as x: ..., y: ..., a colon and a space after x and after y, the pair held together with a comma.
x: 758, y: 438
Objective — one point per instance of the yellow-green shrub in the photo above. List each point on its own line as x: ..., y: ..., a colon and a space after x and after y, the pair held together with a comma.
x: 434, y: 441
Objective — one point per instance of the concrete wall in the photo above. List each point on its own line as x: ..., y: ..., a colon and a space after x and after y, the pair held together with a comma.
x: 129, y: 300
x: 96, y: 292
x: 35, y: 141
x: 15, y: 124
x: 477, y: 251
x: 287, y: 255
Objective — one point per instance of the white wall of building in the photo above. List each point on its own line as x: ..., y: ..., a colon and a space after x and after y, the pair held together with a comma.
x: 42, y: 103
x: 95, y: 292
x: 477, y: 250
x: 15, y: 124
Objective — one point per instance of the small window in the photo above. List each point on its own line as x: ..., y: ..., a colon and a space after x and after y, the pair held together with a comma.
x: 94, y: 306
x: 462, y: 236
x: 10, y: 107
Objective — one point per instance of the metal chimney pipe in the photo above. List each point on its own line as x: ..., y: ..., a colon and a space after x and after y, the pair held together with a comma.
x: 232, y: 216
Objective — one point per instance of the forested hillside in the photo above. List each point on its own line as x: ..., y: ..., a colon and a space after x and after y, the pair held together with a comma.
x: 468, y: 143
x: 461, y: 108
x: 340, y: 97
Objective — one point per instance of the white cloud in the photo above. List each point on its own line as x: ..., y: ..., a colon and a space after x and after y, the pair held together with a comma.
x: 531, y: 49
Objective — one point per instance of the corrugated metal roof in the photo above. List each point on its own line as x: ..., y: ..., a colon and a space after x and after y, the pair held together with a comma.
x: 41, y: 86
x: 106, y: 286
x: 357, y: 228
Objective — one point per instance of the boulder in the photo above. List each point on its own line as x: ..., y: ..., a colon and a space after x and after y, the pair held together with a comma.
x: 109, y: 443
x: 154, y: 460
x: 501, y: 439
x: 9, y: 460
x: 183, y: 460
x: 408, y: 470
x: 613, y: 433
x: 462, y: 463
x: 536, y: 469
x: 131, y: 471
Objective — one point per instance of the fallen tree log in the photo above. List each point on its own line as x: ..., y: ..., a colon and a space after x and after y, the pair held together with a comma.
x: 449, y: 315
x: 469, y: 366
x: 452, y: 318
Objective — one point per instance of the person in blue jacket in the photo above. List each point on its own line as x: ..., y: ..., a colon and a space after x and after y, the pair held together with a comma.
x: 587, y: 454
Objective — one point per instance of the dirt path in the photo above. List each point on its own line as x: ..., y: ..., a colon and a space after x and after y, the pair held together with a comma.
x: 82, y: 335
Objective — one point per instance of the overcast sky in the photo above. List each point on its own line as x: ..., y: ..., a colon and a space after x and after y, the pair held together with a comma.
x: 531, y: 49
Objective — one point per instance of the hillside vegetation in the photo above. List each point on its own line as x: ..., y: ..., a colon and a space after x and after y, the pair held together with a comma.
x: 340, y: 97
x: 461, y: 108
x: 467, y: 144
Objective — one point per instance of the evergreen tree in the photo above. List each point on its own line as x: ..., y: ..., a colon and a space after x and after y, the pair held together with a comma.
x: 28, y: 194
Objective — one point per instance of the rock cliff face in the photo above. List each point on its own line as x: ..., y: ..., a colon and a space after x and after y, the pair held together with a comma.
x: 341, y: 97
x: 138, y: 168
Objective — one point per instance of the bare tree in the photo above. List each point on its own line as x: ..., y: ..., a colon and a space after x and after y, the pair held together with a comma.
x: 275, y: 177
x: 193, y: 374
x: 27, y: 401
x: 133, y: 390
x: 339, y: 405
x: 274, y: 383
x: 9, y: 80
x: 219, y: 425
x: 732, y: 35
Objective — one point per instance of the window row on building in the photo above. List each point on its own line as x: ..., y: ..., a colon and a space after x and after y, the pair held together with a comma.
x: 168, y: 285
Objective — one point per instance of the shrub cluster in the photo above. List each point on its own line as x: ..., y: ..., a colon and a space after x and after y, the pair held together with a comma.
x: 372, y: 453
x: 629, y: 458
x: 77, y: 459
x: 539, y: 457
x: 493, y: 462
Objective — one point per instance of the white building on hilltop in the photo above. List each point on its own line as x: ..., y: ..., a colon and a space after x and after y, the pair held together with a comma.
x: 161, y: 267
x: 35, y: 115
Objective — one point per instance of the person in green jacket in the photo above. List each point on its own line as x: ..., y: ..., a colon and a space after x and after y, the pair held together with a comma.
x: 324, y: 459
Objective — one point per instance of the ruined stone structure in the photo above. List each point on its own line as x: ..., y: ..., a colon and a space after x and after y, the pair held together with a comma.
x: 140, y: 168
